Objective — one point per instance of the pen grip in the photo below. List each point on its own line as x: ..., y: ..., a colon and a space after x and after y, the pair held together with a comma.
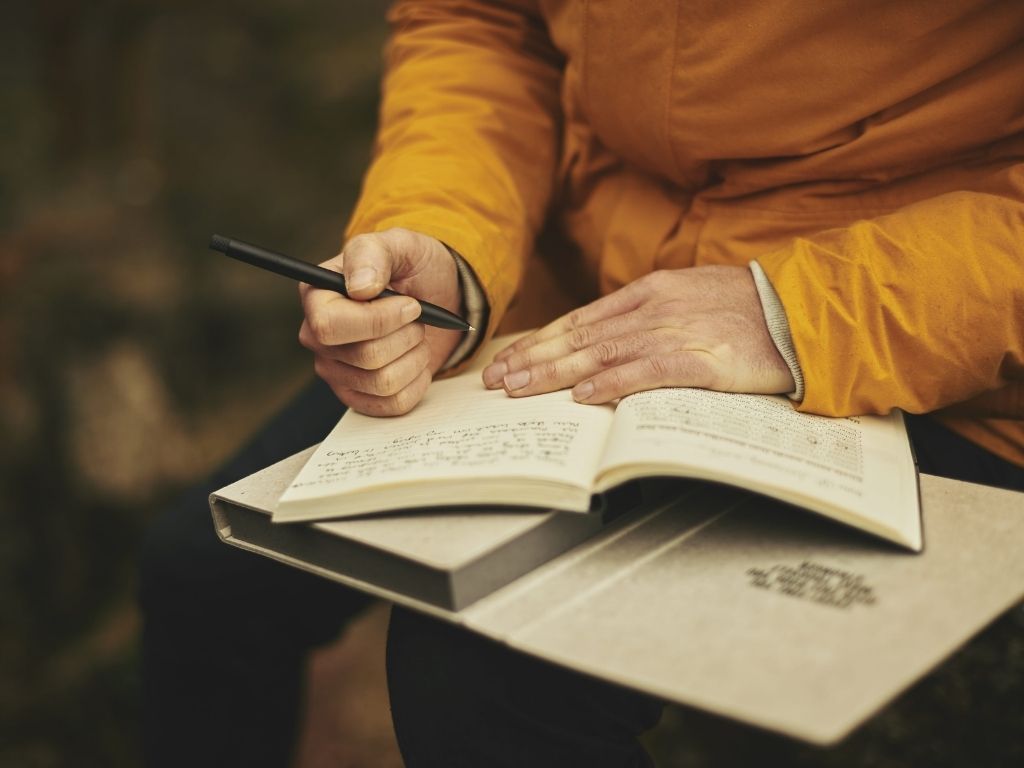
x: 318, y: 277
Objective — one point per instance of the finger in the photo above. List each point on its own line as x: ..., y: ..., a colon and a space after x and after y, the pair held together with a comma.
x: 683, y: 369
x: 550, y: 375
x: 371, y: 354
x: 333, y: 319
x: 376, y: 353
x: 389, y: 405
x: 618, y: 303
x: 372, y: 259
x: 383, y: 382
x: 368, y: 265
x: 562, y: 346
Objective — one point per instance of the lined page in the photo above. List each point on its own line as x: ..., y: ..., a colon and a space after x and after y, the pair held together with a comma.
x: 860, y: 465
x: 460, y: 431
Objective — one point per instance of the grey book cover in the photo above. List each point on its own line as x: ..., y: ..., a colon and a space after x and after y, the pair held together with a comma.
x: 721, y: 599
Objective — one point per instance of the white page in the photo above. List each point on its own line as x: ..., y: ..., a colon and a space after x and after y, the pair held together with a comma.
x: 859, y: 464
x: 460, y: 430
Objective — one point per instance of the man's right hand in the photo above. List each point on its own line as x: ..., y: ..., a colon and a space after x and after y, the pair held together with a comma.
x: 373, y: 354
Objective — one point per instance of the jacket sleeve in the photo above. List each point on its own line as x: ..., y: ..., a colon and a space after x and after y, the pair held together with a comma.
x: 920, y: 309
x: 467, y: 141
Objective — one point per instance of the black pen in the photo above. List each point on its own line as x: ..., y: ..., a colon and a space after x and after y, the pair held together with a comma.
x: 319, y: 277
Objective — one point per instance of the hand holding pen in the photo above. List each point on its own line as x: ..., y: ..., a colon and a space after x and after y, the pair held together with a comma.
x: 367, y: 346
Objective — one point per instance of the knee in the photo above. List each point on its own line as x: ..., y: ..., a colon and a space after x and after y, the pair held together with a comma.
x: 460, y: 699
x: 178, y: 560
x: 441, y: 690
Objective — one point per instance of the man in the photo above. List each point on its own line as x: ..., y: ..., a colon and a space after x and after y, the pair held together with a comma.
x: 818, y: 199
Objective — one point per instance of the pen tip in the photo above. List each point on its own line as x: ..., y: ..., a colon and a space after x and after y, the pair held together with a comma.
x: 220, y: 243
x: 471, y: 328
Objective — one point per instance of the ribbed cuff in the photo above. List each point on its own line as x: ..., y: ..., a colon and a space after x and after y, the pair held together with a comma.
x: 778, y: 327
x: 475, y: 311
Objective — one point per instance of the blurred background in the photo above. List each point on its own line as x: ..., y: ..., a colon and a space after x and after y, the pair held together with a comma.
x: 132, y: 361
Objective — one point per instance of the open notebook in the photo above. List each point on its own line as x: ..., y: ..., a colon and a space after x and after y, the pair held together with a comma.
x: 466, y: 445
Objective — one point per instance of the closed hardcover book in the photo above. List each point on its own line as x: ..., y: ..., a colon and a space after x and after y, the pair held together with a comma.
x: 700, y: 594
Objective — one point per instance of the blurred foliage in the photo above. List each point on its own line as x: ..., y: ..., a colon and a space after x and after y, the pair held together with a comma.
x: 132, y: 359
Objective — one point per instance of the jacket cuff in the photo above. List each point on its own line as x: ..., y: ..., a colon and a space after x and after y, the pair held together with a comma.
x: 778, y: 327
x: 475, y: 312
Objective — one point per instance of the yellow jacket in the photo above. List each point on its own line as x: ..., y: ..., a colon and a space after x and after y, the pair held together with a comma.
x: 869, y: 156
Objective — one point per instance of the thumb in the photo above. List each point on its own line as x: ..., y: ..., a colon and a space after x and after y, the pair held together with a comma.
x: 367, y: 264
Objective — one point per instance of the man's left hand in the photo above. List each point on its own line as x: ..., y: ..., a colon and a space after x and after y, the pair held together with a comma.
x: 697, y: 327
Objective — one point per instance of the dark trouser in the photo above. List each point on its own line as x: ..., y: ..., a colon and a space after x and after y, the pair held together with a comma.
x: 226, y: 633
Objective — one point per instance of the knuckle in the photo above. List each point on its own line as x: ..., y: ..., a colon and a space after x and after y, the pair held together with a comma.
x: 657, y: 368
x: 575, y: 319
x: 402, y: 402
x: 707, y: 375
x: 415, y: 360
x: 361, y: 250
x: 413, y: 335
x: 378, y: 324
x: 367, y: 404
x: 385, y: 382
x: 359, y: 242
x: 614, y: 381
x: 400, y: 238
x: 549, y: 370
x: 418, y: 332
x: 355, y: 354
x: 664, y: 311
x: 642, y: 343
x: 346, y: 396
x: 321, y: 327
x: 607, y: 352
x: 422, y: 352
x: 647, y: 282
x: 512, y: 352
x: 520, y: 360
x: 654, y: 277
x: 579, y: 338
x: 366, y: 355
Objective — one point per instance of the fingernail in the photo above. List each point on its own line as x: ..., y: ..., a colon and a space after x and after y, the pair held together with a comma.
x: 517, y: 380
x: 583, y: 390
x: 362, y: 278
x: 410, y: 311
x: 494, y: 373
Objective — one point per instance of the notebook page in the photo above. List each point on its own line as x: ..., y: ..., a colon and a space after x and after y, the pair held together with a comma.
x: 859, y: 464
x: 461, y: 430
